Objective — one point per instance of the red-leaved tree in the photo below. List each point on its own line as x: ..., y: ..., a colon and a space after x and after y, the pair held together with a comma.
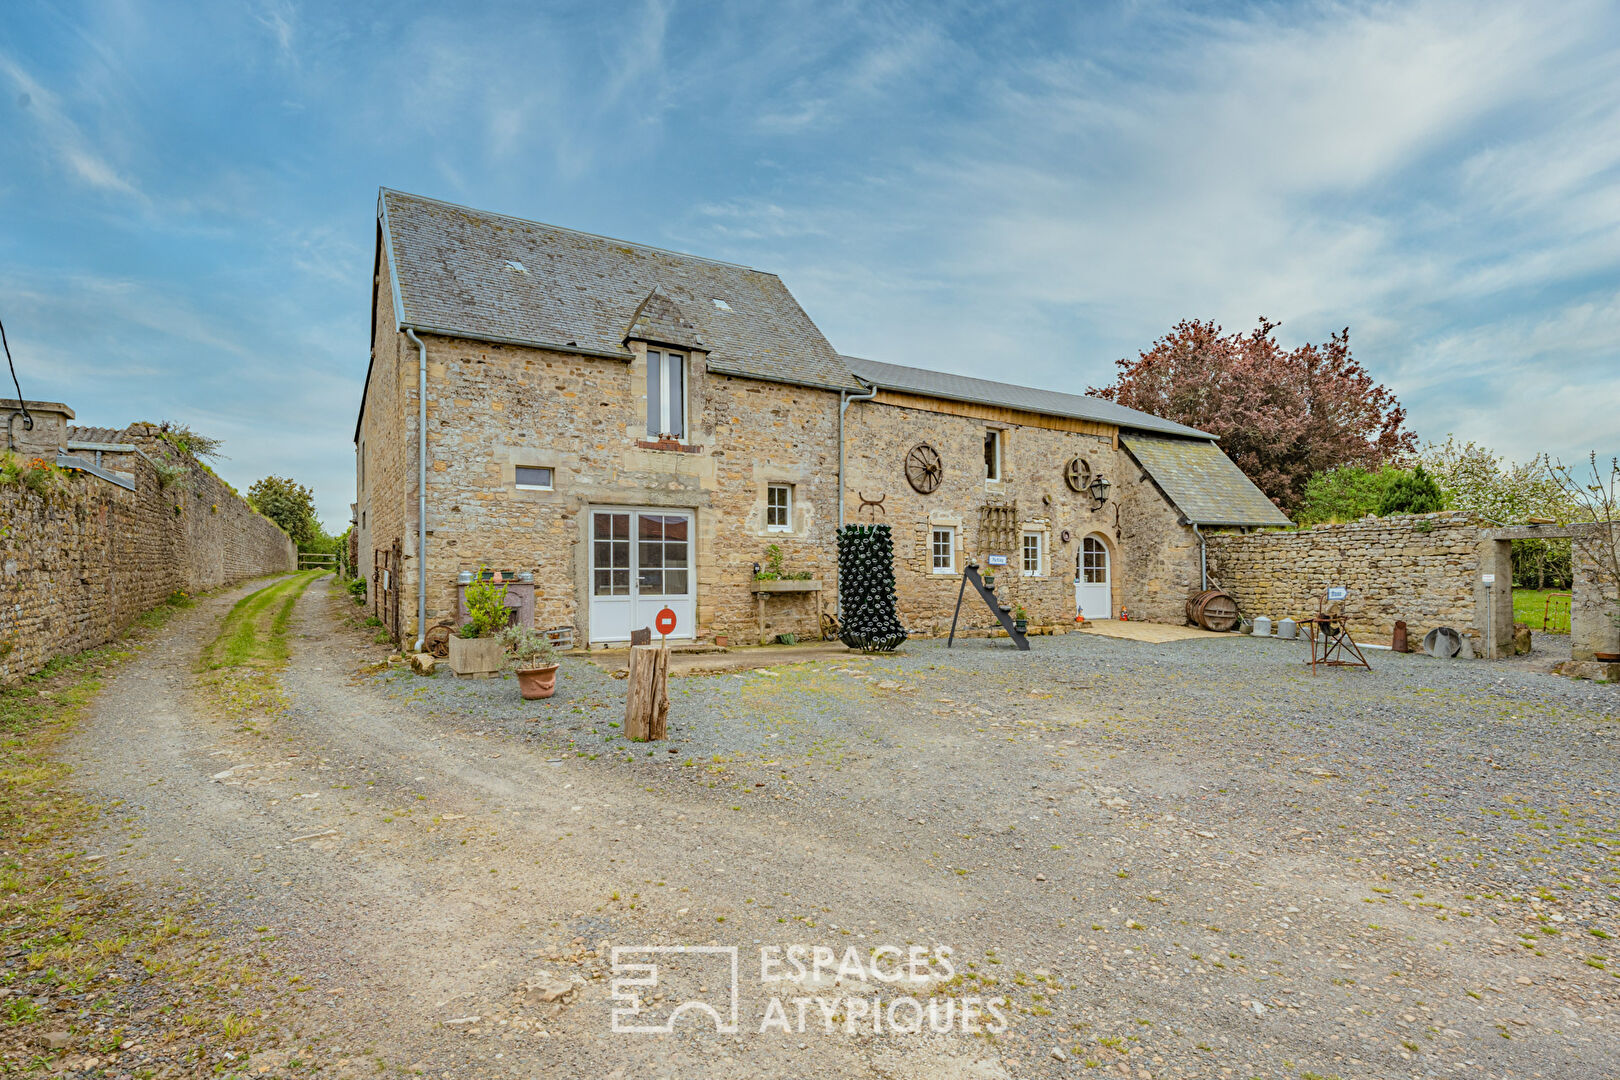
x: 1280, y: 415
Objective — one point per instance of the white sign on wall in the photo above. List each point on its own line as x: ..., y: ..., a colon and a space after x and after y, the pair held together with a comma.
x: 1338, y: 592
x: 997, y: 560
x: 1489, y: 579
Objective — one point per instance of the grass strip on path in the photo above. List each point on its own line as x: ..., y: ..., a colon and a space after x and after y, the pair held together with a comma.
x: 87, y: 975
x: 239, y: 665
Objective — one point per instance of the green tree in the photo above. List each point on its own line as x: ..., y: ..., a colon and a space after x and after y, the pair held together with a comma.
x: 1345, y: 494
x: 1507, y: 492
x: 289, y: 504
x: 1412, y: 492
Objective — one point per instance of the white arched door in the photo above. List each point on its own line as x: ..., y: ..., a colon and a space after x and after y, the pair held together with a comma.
x: 1093, y: 582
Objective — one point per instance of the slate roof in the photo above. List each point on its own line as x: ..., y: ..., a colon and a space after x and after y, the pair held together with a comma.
x: 105, y: 435
x: 961, y: 388
x: 1203, y: 482
x: 464, y: 272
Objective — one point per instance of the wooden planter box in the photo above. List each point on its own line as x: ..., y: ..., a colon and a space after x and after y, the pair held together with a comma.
x: 476, y: 656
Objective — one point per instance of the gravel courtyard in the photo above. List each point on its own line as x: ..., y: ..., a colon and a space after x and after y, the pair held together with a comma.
x: 1185, y: 859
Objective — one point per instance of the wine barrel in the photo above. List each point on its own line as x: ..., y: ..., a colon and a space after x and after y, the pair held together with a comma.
x: 1213, y: 609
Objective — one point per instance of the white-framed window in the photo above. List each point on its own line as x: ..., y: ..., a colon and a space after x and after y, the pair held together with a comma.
x: 992, y: 454
x: 779, y: 507
x: 535, y: 478
x: 1034, y: 553
x: 666, y: 394
x: 942, y: 549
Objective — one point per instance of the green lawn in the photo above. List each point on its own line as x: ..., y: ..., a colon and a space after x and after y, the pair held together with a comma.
x: 1529, y: 606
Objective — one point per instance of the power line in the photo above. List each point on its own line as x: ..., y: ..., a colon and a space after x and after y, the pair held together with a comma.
x: 28, y: 421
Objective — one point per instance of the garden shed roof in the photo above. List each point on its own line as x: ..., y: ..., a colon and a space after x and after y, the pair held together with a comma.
x: 1202, y: 482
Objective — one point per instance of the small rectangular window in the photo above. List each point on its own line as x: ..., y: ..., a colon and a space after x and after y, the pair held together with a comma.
x: 534, y: 478
x: 1033, y: 543
x: 992, y: 454
x: 943, y: 547
x: 779, y: 507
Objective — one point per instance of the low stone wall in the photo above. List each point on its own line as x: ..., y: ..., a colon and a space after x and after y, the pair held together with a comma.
x: 81, y: 561
x: 1422, y: 568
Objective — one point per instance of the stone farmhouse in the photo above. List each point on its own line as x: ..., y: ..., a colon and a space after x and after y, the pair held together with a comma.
x: 616, y: 428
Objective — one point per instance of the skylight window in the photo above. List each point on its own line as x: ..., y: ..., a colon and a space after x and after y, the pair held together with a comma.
x: 513, y: 264
x: 722, y: 305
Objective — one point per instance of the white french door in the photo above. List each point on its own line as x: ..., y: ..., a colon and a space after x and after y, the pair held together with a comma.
x: 641, y: 562
x: 1093, y: 587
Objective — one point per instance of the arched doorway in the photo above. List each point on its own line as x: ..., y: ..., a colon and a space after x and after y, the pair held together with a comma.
x: 1094, y: 578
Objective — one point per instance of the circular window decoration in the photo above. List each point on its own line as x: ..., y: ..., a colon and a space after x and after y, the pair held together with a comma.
x: 1077, y: 474
x: 924, y: 470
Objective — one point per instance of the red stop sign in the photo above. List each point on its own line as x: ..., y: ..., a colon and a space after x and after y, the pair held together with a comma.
x: 665, y: 622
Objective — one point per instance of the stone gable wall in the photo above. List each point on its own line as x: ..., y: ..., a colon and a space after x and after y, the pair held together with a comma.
x: 1421, y: 568
x: 494, y: 407
x: 385, y: 453
x: 81, y: 562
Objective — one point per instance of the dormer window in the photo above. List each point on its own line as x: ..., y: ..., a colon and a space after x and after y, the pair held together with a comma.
x: 666, y: 394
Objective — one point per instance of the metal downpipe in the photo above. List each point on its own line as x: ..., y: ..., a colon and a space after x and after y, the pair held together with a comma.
x: 421, y: 489
x: 1203, y: 559
x: 844, y: 398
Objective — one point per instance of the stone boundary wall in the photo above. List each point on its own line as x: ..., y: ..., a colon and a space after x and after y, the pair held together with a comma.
x: 1422, y: 568
x: 81, y: 562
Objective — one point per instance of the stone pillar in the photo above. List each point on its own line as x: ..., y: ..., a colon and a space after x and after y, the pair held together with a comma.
x: 1592, y: 628
x: 1493, y: 603
x: 49, y: 432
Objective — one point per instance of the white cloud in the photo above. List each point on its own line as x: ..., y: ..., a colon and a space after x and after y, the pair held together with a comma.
x: 62, y: 138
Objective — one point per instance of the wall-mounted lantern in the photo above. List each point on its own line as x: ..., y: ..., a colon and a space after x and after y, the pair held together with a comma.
x: 1099, y: 491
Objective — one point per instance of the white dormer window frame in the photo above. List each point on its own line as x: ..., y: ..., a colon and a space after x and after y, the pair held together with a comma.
x: 667, y: 383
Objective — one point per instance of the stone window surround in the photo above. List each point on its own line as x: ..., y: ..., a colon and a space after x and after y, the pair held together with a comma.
x: 696, y: 368
x: 510, y: 457
x: 799, y: 511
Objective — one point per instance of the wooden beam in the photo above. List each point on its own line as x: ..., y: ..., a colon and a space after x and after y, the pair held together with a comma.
x: 996, y: 414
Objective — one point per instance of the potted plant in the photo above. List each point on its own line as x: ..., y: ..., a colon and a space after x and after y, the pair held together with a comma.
x: 533, y: 659
x: 474, y: 650
x: 1020, y: 620
x: 721, y: 638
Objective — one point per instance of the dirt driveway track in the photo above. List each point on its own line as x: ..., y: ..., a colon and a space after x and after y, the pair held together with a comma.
x: 413, y: 868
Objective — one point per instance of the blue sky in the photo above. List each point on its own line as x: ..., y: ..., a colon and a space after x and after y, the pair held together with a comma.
x: 1026, y: 192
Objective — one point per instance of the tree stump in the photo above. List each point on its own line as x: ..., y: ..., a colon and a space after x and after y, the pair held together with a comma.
x: 646, y: 706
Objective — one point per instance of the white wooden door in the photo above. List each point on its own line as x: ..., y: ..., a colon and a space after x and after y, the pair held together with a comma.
x: 1093, y: 586
x: 641, y: 562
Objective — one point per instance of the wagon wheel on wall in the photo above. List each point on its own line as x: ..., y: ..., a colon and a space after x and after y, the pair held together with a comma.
x: 437, y: 640
x: 1077, y: 474
x: 924, y: 469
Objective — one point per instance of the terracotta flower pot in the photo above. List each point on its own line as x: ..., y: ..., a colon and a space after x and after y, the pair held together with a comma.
x: 722, y: 640
x: 537, y: 682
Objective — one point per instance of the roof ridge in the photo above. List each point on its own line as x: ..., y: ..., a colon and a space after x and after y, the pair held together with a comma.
x: 574, y: 232
x: 1186, y: 430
